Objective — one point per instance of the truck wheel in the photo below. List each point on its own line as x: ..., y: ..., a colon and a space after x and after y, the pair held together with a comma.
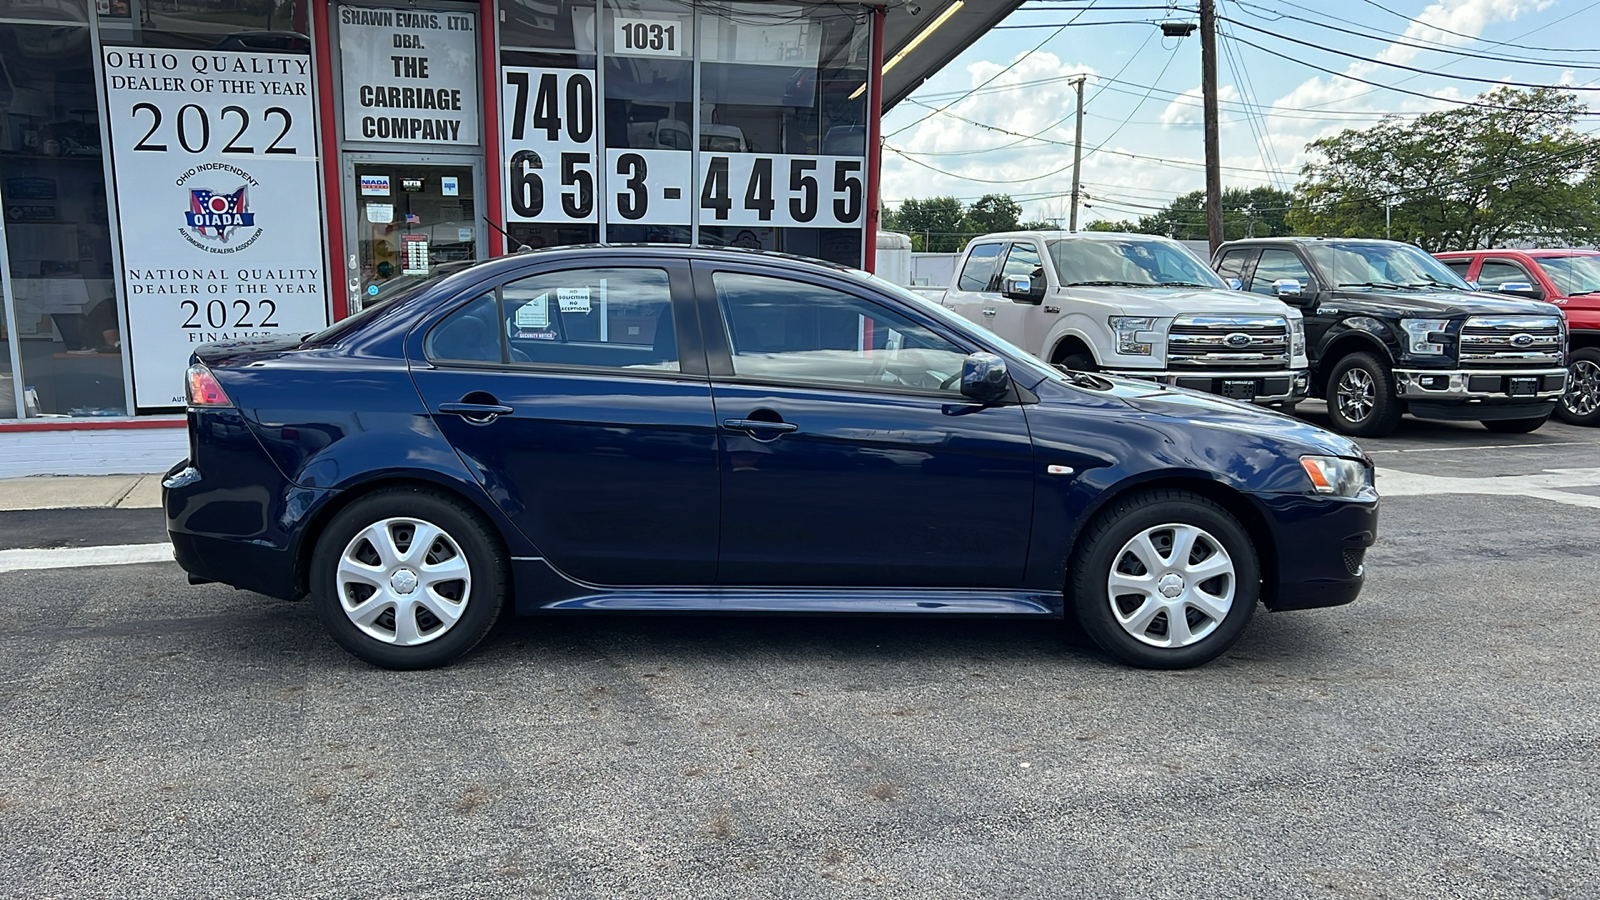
x: 1079, y: 362
x: 1581, y: 404
x: 1515, y: 426
x: 1361, y: 398
x: 1164, y: 579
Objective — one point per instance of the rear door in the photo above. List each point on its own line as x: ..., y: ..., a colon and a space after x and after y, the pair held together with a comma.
x: 579, y: 398
x: 967, y: 296
x: 850, y: 457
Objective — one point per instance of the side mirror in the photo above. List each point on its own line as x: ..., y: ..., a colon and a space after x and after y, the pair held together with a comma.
x: 1474, y: 285
x: 1284, y: 288
x: 1521, y: 289
x: 1235, y: 284
x: 984, y: 378
x: 1021, y: 289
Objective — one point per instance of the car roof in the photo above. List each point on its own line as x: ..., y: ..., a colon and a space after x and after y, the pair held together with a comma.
x: 655, y: 251
x: 1082, y: 235
x: 1535, y: 252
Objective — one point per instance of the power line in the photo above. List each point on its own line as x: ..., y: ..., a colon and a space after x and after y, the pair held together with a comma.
x: 1473, y: 37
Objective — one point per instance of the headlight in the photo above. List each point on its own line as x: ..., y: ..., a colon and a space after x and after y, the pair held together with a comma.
x: 1417, y: 331
x: 1337, y: 476
x: 1297, y: 335
x: 1129, y: 340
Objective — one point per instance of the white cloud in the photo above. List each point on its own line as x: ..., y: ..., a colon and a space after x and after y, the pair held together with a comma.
x: 1186, y: 109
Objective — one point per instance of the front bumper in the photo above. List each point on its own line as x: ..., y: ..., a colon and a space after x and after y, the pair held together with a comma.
x: 1278, y: 387
x: 1480, y: 393
x: 1321, y: 545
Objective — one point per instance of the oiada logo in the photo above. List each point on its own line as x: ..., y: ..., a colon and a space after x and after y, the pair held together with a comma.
x: 217, y: 216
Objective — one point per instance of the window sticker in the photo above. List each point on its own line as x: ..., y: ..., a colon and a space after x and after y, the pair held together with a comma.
x: 573, y: 300
x: 534, y: 315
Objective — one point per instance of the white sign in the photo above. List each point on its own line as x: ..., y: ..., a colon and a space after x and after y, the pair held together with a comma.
x: 450, y: 186
x: 779, y: 190
x: 573, y: 300
x: 648, y: 187
x: 380, y: 213
x: 374, y: 185
x: 647, y: 37
x: 410, y: 75
x: 217, y: 196
x: 548, y: 131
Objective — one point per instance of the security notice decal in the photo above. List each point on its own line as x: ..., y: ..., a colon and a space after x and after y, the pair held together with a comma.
x: 216, y: 183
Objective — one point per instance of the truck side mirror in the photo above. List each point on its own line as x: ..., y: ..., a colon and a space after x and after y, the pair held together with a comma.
x: 1474, y: 285
x: 1285, y: 288
x: 1020, y: 288
x: 1522, y: 289
x: 1235, y: 284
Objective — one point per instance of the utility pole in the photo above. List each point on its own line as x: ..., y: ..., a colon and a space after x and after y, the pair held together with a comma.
x: 1208, y: 91
x: 1077, y: 157
x: 1388, y: 232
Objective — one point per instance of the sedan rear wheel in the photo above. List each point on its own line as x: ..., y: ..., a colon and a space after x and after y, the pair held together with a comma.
x: 1165, y: 579
x: 408, y: 579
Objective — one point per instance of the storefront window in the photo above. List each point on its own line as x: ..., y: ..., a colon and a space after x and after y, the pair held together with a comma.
x: 649, y: 120
x: 266, y: 26
x: 62, y: 316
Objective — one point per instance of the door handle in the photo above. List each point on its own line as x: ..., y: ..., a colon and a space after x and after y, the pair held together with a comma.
x: 989, y: 312
x: 759, y: 425
x: 476, y: 413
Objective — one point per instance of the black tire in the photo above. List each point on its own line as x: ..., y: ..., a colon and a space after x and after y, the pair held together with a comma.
x: 1581, y: 404
x: 1078, y: 361
x: 1372, y: 414
x: 1101, y: 551
x: 482, y: 594
x: 1515, y: 426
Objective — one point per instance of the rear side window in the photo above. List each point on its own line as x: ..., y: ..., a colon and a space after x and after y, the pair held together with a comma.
x: 1458, y: 266
x: 1275, y: 265
x: 606, y: 318
x: 979, y: 269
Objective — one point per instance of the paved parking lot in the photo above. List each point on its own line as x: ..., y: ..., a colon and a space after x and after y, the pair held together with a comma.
x: 1435, y: 739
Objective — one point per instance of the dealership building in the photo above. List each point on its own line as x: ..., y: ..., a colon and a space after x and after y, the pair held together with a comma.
x: 176, y: 172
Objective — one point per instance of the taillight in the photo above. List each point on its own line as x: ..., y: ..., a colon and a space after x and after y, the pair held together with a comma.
x: 203, y: 389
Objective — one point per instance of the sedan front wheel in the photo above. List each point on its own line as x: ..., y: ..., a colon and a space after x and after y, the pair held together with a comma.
x: 1165, y: 579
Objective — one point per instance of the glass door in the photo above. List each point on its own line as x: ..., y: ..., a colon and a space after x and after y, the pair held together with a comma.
x: 410, y: 217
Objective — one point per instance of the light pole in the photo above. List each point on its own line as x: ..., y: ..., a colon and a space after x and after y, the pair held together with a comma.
x: 1208, y: 99
x: 1388, y: 234
x: 1077, y: 157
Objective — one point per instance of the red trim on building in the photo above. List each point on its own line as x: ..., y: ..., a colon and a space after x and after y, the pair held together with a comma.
x: 489, y: 202
x: 91, y: 425
x: 869, y: 253
x: 332, y: 196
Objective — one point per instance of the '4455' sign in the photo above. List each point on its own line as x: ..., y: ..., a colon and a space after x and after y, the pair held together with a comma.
x: 557, y: 174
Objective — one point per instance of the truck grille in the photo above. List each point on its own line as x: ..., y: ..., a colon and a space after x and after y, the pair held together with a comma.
x: 1232, y: 342
x: 1511, y: 341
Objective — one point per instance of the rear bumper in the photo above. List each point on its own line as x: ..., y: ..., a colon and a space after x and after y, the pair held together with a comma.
x: 1272, y: 388
x: 1321, y: 545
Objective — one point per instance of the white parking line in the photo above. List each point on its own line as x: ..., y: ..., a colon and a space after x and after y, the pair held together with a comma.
x: 1545, y: 485
x: 73, y: 557
x: 1485, y: 447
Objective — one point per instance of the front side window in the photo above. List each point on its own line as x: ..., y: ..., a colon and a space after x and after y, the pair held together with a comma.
x: 1129, y: 262
x: 802, y: 333
x: 1573, y: 275
x: 1275, y: 265
x: 979, y: 268
x: 1495, y: 273
x: 1023, y: 260
x: 602, y: 318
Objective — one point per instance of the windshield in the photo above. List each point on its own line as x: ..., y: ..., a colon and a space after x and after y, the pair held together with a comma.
x: 1381, y: 264
x: 392, y: 290
x: 1573, y: 275
x: 962, y: 326
x: 1131, y: 262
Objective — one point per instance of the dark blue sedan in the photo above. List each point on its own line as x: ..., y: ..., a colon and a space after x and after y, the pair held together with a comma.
x: 681, y: 430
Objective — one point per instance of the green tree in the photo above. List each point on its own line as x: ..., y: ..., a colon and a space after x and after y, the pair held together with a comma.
x: 1261, y: 211
x: 936, y: 225
x: 992, y: 213
x: 1108, y: 225
x: 1460, y: 178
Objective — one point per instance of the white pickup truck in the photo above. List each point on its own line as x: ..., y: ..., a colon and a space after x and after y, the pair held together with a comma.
x: 1135, y: 305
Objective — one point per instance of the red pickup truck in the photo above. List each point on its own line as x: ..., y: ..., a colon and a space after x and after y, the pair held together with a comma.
x: 1571, y: 280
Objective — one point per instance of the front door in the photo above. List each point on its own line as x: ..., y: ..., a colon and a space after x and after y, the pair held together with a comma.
x: 849, y: 456
x: 579, y: 400
x: 410, y: 217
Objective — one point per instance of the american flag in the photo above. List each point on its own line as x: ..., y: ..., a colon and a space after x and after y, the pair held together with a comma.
x: 413, y: 219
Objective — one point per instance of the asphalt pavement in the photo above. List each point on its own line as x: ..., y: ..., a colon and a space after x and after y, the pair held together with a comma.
x: 1434, y: 739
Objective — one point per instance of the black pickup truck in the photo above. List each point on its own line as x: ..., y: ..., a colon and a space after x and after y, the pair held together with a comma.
x: 1391, y: 330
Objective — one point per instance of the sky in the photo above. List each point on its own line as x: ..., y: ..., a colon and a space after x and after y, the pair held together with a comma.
x: 1143, y: 143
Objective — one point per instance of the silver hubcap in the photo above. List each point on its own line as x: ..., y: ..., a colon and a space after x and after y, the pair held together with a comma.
x: 1356, y: 395
x: 1171, y: 585
x: 404, y: 581
x: 1583, y: 393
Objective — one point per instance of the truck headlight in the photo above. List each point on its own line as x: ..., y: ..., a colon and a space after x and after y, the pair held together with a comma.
x: 1417, y: 335
x: 1297, y: 337
x: 1337, y: 476
x: 1130, y: 342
